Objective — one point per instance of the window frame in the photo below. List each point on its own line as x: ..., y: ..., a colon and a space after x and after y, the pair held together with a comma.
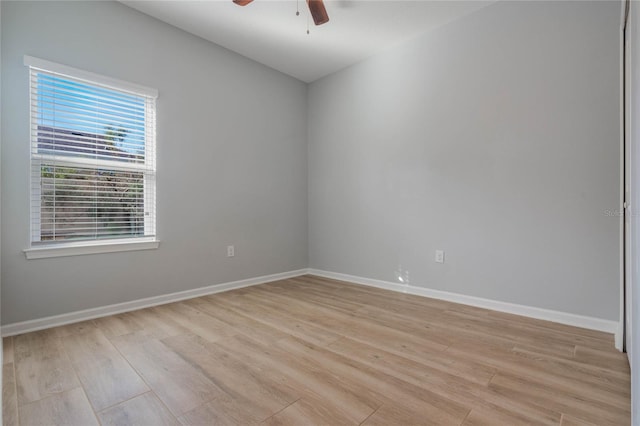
x: 44, y: 249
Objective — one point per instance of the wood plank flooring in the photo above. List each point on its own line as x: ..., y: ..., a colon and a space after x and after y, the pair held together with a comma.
x: 314, y: 351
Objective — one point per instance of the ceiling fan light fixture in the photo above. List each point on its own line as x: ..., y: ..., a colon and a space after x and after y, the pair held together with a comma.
x: 318, y: 12
x: 316, y: 7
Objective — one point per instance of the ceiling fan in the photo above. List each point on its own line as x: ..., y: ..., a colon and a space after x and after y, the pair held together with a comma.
x: 316, y: 7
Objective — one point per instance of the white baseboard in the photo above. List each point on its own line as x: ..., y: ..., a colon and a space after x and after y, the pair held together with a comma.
x: 592, y: 323
x: 87, y: 314
x: 619, y: 336
x: 511, y: 308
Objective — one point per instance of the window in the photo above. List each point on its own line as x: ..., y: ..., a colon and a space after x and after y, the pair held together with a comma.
x: 93, y: 174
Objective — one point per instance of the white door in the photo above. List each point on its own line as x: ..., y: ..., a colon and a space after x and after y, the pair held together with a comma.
x: 627, y: 189
x: 632, y: 212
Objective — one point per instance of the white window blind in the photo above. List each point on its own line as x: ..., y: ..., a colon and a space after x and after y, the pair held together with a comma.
x: 93, y: 173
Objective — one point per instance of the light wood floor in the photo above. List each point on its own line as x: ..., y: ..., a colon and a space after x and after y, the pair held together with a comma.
x: 314, y: 351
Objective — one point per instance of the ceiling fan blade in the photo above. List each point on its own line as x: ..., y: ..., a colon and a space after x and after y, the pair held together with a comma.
x: 318, y: 12
x: 242, y: 2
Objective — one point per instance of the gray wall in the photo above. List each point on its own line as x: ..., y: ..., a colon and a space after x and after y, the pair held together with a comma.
x: 231, y: 159
x: 494, y: 138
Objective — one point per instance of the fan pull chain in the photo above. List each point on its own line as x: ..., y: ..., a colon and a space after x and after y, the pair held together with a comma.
x: 297, y: 7
x: 308, y: 25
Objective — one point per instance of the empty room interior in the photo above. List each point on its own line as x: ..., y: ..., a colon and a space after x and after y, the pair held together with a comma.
x: 347, y: 212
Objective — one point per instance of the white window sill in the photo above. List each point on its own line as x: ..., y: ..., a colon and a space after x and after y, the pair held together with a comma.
x: 91, y: 247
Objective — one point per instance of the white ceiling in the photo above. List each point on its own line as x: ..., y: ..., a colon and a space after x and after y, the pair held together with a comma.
x: 268, y: 31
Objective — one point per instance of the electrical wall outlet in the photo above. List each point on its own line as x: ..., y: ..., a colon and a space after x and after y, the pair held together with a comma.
x: 231, y: 251
x: 439, y: 256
